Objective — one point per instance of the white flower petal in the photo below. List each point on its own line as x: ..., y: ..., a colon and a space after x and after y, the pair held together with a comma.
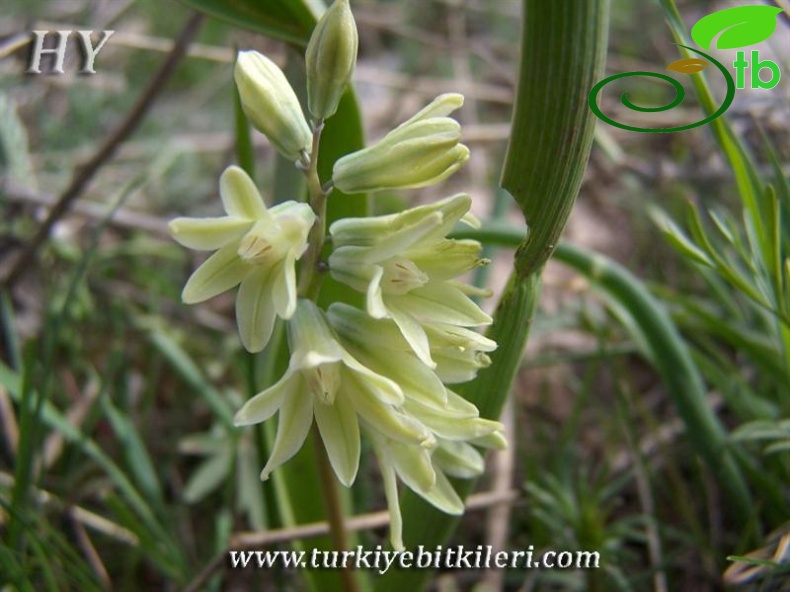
x: 384, y: 389
x: 208, y: 234
x: 471, y: 290
x: 451, y: 428
x: 454, y: 366
x: 339, y: 430
x: 266, y: 403
x: 454, y: 209
x: 453, y: 407
x: 391, y: 493
x: 495, y: 440
x: 255, y: 312
x: 441, y: 106
x: 240, y: 197
x: 413, y: 465
x: 294, y: 421
x: 444, y: 336
x: 284, y: 287
x: 393, y: 243
x: 443, y: 496
x: 440, y: 302
x: 385, y: 419
x: 220, y: 272
x: 458, y: 459
x: 374, y: 302
x: 353, y: 274
x: 411, y: 329
x: 310, y: 338
x: 447, y: 259
x: 362, y: 231
x: 471, y: 220
x: 271, y: 104
x: 414, y: 378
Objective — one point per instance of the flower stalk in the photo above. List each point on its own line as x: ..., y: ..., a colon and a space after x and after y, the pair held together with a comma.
x: 311, y: 272
x: 311, y: 275
x: 338, y: 530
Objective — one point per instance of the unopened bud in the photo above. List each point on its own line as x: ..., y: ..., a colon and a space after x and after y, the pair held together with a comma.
x: 271, y: 104
x: 331, y: 56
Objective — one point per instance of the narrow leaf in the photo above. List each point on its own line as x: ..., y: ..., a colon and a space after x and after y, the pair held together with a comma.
x: 286, y: 20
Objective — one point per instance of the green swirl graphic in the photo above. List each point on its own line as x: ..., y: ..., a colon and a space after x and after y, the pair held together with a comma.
x: 680, y: 94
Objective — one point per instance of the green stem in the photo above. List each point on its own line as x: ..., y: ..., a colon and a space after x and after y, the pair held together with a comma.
x: 311, y: 275
x: 311, y: 272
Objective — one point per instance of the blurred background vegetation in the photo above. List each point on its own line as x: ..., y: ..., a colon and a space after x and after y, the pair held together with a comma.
x: 115, y: 399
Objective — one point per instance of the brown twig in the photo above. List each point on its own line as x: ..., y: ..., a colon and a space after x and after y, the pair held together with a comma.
x: 84, y: 174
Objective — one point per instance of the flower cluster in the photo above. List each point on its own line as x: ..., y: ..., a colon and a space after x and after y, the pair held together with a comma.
x: 381, y: 371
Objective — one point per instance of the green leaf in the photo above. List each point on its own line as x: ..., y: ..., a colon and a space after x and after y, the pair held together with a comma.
x: 673, y: 361
x: 564, y: 47
x: 208, y: 476
x: 142, y: 515
x: 679, y: 240
x: 138, y: 460
x: 739, y: 26
x: 287, y: 20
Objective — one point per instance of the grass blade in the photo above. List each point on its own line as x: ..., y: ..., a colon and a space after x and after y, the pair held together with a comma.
x: 666, y: 350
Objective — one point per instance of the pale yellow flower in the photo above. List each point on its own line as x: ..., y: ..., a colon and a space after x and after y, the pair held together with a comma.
x: 326, y: 381
x: 257, y: 248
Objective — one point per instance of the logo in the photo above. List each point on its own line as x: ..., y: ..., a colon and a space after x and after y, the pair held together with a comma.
x: 735, y: 28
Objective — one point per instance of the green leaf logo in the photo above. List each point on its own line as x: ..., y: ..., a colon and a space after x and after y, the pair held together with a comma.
x: 739, y: 26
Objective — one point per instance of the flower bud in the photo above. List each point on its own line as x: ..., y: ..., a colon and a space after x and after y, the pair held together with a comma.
x: 331, y: 56
x: 271, y: 104
x: 424, y: 150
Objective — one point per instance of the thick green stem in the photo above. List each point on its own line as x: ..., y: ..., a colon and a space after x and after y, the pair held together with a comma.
x: 562, y: 57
